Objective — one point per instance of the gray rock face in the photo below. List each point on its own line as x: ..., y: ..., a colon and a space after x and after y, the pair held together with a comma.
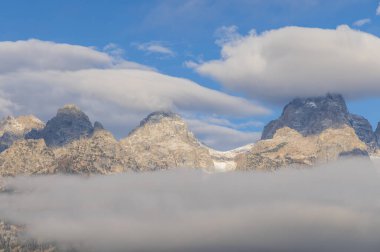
x: 311, y: 116
x: 99, y: 154
x: 377, y: 135
x: 363, y: 129
x: 69, y: 124
x: 7, y: 139
x: 157, y: 116
x: 163, y: 141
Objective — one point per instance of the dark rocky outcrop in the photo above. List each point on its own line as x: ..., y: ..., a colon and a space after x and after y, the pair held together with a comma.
x: 363, y: 129
x: 7, y: 139
x: 311, y: 116
x: 354, y: 153
x: 157, y: 116
x: 68, y: 125
x: 377, y: 135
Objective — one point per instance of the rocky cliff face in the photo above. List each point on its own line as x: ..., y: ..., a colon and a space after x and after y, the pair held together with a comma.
x: 290, y: 148
x: 68, y: 125
x: 27, y: 157
x: 99, y: 154
x: 377, y: 135
x: 163, y: 141
x: 313, y: 115
x: 12, y: 129
x: 364, y: 130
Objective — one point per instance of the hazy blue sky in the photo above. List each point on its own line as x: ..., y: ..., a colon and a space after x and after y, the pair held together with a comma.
x: 181, y: 39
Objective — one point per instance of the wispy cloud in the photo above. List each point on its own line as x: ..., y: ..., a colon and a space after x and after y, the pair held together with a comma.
x: 362, y: 22
x: 222, y: 134
x: 227, y: 34
x: 378, y: 9
x: 156, y: 47
x: 114, y: 50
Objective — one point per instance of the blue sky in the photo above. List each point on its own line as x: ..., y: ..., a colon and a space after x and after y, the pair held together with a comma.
x: 167, y: 35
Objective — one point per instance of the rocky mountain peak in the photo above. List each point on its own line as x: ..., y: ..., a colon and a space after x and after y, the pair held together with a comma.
x: 157, y: 116
x: 164, y: 141
x: 69, y: 108
x: 164, y: 124
x: 69, y: 124
x: 14, y: 128
x: 310, y: 116
x: 20, y: 125
x: 98, y: 126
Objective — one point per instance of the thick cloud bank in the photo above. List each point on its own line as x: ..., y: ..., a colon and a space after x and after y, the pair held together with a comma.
x: 329, y: 208
x: 298, y: 61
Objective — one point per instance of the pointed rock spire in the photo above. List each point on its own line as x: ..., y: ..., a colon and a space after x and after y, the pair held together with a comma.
x: 69, y: 124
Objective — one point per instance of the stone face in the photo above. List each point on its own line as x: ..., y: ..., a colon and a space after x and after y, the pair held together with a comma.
x: 290, y: 148
x: 377, y: 135
x: 68, y: 125
x: 163, y: 141
x: 313, y: 115
x: 27, y: 157
x: 99, y: 154
x: 363, y: 129
x: 12, y: 129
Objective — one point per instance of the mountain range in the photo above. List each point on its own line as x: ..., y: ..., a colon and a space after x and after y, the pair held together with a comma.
x: 309, y: 131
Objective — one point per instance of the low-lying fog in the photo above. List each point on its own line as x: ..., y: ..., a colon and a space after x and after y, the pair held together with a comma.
x: 329, y: 208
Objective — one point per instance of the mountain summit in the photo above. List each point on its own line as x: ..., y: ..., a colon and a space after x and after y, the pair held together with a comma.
x: 15, y: 128
x: 163, y: 141
x: 313, y: 115
x: 69, y: 124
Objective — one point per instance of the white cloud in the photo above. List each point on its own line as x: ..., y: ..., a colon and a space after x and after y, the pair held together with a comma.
x: 378, y: 10
x: 329, y: 208
x: 362, y: 22
x: 156, y: 47
x: 296, y: 61
x: 40, y: 55
x: 114, y: 91
x: 221, y: 137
